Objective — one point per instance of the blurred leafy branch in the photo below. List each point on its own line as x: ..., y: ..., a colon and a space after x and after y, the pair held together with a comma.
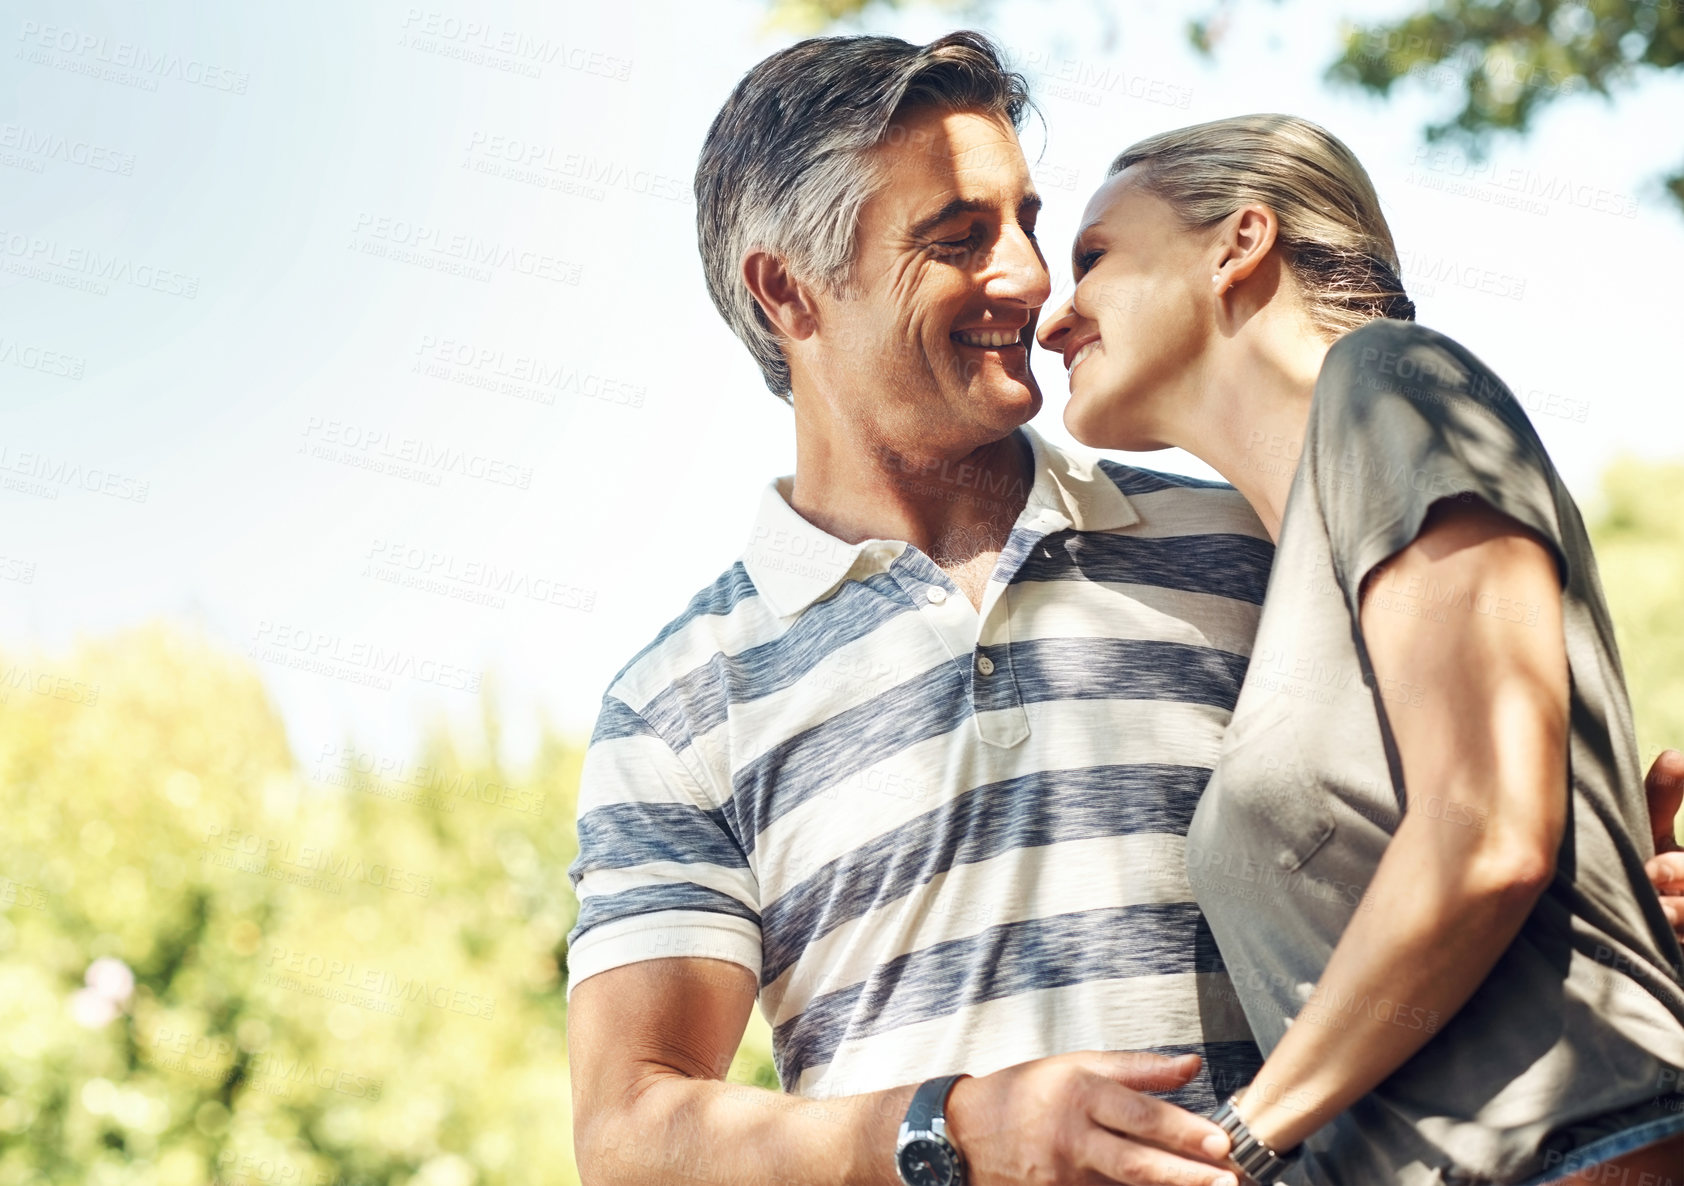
x: 1504, y: 61
x: 1638, y: 535
x: 224, y: 962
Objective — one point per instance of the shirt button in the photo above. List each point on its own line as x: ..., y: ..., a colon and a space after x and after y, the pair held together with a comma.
x: 936, y: 594
x: 985, y: 665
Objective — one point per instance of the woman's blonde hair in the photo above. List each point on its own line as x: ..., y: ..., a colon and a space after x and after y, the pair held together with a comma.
x: 1336, y: 242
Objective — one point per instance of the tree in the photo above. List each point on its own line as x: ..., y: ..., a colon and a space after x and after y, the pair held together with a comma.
x: 1503, y: 60
x: 1639, y: 540
x: 1508, y: 60
x: 222, y: 961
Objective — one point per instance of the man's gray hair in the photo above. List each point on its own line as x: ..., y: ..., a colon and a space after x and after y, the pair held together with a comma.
x: 783, y: 168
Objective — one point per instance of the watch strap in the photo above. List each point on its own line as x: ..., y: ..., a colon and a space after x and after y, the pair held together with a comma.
x: 929, y: 1103
x: 1257, y: 1161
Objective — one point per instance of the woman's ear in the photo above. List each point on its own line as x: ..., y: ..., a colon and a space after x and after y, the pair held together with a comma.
x: 1244, y: 242
x: 786, y: 301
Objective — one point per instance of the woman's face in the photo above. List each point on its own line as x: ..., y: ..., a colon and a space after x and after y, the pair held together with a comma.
x: 1133, y: 332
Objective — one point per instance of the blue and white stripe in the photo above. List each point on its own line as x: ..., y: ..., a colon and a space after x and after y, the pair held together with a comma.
x: 930, y: 862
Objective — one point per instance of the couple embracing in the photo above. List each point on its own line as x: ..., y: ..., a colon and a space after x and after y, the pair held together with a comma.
x: 1073, y: 822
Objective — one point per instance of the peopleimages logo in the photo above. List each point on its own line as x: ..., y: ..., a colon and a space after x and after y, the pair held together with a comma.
x: 355, y: 660
x: 334, y: 439
x: 40, y: 251
x: 518, y: 159
x: 143, y: 62
x: 270, y: 1071
x: 53, y: 685
x: 523, y: 376
x: 1489, y: 182
x: 288, y: 967
x: 44, y: 475
x: 485, y: 581
x: 54, y: 147
x: 35, y: 358
x: 414, y: 242
x: 384, y: 775
x: 506, y: 49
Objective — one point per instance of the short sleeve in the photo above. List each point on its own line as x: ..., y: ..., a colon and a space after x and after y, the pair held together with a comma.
x: 659, y: 872
x: 1403, y: 418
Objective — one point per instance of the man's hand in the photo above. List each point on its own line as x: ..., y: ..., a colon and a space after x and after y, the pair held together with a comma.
x: 1081, y: 1118
x: 649, y: 1044
x: 1665, y: 785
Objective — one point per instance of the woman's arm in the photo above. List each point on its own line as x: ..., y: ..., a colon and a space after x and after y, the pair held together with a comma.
x: 1484, y: 754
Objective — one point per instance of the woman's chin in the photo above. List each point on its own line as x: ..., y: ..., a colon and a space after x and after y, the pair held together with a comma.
x: 1109, y: 419
x: 1091, y: 421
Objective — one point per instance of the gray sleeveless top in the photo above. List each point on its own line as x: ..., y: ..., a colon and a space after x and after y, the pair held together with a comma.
x: 1580, y: 1025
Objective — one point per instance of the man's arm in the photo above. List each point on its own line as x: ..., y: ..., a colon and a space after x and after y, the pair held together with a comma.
x: 1665, y: 785
x: 649, y: 1044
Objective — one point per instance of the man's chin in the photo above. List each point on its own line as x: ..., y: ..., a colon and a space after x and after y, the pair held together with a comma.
x: 1016, y: 393
x: 1011, y: 403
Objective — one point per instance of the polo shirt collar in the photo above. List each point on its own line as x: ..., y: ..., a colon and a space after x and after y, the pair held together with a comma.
x: 793, y: 563
x: 1072, y: 492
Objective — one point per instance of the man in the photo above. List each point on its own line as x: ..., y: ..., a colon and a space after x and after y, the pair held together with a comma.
x: 916, y: 771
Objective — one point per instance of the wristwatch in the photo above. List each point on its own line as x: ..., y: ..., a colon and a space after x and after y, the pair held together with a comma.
x: 924, y: 1156
x: 1257, y: 1161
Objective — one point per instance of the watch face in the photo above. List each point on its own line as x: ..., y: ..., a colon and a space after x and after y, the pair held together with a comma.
x: 926, y: 1163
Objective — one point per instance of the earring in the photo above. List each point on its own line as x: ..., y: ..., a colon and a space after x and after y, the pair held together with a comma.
x: 1217, y: 278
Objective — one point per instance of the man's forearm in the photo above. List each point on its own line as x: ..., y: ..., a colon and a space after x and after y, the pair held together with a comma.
x: 683, y: 1131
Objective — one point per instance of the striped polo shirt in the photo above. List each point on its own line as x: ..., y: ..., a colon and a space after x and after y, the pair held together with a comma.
x: 943, y: 839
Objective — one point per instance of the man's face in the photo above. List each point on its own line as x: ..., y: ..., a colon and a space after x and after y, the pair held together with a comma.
x: 931, y: 352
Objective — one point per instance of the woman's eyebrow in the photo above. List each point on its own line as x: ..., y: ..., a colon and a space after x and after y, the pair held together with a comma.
x: 1087, y: 239
x: 1078, y: 249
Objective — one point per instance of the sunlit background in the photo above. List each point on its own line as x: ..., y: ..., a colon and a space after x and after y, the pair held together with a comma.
x: 364, y: 411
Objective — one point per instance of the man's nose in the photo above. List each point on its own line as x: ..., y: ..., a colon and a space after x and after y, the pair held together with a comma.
x: 1020, y: 272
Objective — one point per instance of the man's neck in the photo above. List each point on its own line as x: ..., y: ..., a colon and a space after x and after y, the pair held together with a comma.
x: 958, y: 509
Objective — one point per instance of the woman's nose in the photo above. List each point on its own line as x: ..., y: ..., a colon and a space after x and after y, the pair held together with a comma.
x: 1052, y: 331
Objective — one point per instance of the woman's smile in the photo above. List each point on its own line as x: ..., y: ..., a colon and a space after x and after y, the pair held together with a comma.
x: 1077, y: 359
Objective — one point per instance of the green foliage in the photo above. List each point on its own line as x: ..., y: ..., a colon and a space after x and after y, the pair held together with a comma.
x: 1514, y: 58
x: 1503, y: 60
x: 1507, y: 61
x: 1638, y: 531
x: 811, y: 16
x: 815, y: 16
x: 348, y: 970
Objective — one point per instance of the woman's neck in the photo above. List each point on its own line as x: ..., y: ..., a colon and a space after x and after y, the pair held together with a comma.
x: 1249, y: 424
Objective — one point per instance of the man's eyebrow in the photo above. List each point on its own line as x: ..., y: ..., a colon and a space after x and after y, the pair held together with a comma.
x: 1031, y: 204
x: 956, y: 207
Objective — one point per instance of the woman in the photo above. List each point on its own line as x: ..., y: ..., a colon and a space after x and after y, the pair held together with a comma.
x: 1421, y: 852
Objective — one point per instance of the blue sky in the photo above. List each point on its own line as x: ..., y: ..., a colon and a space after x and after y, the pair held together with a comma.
x: 317, y: 330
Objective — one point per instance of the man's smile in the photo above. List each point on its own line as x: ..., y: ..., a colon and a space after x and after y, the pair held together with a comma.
x: 989, y: 339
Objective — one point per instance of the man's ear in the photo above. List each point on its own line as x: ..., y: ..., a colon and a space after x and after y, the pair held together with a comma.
x: 1245, y: 241
x: 786, y: 301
